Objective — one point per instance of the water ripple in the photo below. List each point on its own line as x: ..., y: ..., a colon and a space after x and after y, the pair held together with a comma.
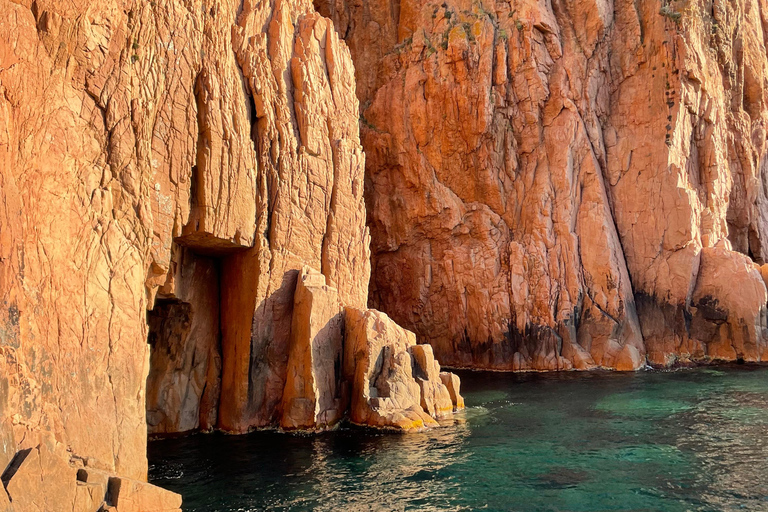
x: 655, y: 441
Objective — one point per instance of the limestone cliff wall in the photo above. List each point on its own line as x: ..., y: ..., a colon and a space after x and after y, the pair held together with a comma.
x: 567, y: 183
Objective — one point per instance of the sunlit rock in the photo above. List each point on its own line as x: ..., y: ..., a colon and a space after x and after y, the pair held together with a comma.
x: 313, y: 397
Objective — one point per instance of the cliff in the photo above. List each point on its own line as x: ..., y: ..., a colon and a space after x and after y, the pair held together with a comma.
x: 542, y: 185
x: 167, y: 171
x: 569, y: 184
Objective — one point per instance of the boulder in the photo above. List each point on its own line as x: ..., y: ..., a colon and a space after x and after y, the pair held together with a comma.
x: 128, y: 495
x: 435, y: 398
x: 39, y: 480
x: 379, y: 365
x: 453, y: 383
x: 44, y: 479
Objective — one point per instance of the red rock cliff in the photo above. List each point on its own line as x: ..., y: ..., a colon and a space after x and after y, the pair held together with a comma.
x: 548, y: 185
x: 568, y: 183
x: 189, y: 155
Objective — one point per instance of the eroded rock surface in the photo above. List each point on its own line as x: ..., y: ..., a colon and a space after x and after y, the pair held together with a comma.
x: 550, y: 186
x: 43, y: 478
x: 152, y: 153
x: 183, y: 385
x: 395, y: 383
x: 547, y: 180
x: 315, y: 397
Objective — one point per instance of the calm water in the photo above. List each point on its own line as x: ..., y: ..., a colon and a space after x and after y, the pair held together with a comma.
x: 655, y: 441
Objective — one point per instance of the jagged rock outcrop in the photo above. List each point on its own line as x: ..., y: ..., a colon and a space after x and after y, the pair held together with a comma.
x: 360, y: 364
x: 545, y: 181
x: 453, y: 384
x: 168, y: 168
x: 561, y: 185
x: 395, y: 383
x: 435, y: 397
x: 44, y: 478
x: 313, y: 212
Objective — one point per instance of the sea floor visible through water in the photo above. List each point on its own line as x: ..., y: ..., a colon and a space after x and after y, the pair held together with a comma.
x: 687, y: 439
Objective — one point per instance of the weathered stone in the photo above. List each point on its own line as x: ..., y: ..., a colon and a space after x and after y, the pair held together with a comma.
x: 39, y: 480
x: 378, y: 363
x: 492, y: 231
x: 728, y: 305
x: 128, y: 495
x: 300, y: 78
x: 525, y: 160
x: 629, y: 359
x: 435, y: 398
x: 44, y: 479
x: 764, y: 273
x: 183, y: 385
x: 89, y: 497
x: 145, y: 147
x: 93, y: 477
x: 5, y: 501
x: 453, y: 383
x: 313, y: 397
x: 7, y: 443
x: 550, y: 186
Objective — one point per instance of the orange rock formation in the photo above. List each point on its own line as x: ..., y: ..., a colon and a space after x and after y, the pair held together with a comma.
x: 548, y: 185
x: 166, y: 169
x: 565, y: 184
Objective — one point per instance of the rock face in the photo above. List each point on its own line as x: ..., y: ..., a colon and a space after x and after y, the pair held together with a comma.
x: 395, y: 383
x: 42, y: 478
x: 549, y: 185
x: 167, y: 169
x: 184, y: 159
x: 314, y: 396
x: 312, y: 211
x: 183, y: 385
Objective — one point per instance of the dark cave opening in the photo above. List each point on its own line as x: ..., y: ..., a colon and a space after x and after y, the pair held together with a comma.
x: 199, y: 332
x: 183, y: 384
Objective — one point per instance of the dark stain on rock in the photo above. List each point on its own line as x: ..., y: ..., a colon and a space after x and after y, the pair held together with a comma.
x: 9, y: 329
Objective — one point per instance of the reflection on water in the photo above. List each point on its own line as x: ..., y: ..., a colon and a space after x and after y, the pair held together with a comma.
x: 271, y: 471
x: 655, y: 441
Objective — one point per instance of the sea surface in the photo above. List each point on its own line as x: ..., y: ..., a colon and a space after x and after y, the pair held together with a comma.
x: 688, y: 439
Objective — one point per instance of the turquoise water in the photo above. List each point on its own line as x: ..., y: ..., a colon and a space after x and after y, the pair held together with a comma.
x: 694, y: 439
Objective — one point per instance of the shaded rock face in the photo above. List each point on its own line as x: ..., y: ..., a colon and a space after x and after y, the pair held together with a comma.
x: 183, y: 385
x: 550, y: 184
